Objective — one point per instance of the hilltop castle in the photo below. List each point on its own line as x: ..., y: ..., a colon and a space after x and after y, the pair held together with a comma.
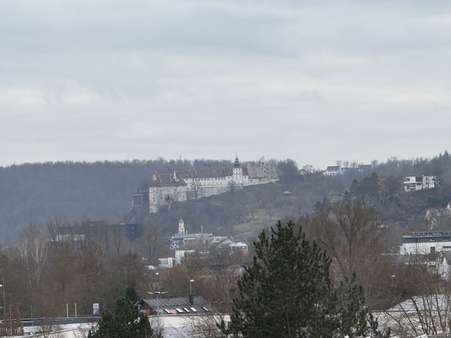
x: 165, y: 189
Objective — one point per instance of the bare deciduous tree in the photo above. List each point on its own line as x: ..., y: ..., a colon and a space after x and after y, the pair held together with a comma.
x: 423, y: 302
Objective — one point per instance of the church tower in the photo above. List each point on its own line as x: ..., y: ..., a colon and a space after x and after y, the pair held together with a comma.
x: 237, y: 171
x: 182, y: 228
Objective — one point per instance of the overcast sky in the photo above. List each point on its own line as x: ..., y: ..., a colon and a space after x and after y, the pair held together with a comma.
x: 316, y: 81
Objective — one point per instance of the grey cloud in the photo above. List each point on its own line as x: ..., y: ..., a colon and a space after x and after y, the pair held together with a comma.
x: 313, y: 80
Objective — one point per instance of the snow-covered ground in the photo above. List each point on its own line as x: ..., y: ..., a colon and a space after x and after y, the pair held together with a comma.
x: 170, y: 327
x: 61, y: 331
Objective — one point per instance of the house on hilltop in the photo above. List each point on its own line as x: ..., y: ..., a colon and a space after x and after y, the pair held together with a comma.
x: 417, y: 183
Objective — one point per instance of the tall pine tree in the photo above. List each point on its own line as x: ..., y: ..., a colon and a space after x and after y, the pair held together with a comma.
x: 125, y: 321
x: 287, y: 292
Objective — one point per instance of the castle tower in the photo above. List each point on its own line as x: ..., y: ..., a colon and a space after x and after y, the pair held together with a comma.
x: 237, y: 171
x: 182, y: 228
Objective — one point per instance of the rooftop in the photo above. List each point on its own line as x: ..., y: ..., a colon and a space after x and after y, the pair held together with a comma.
x: 429, y: 236
x: 333, y: 168
x: 178, y: 305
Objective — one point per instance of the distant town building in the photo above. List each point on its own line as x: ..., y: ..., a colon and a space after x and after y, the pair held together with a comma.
x: 333, y: 170
x: 165, y: 189
x: 438, y: 263
x: 422, y: 243
x: 307, y: 170
x: 179, y: 306
x: 363, y: 167
x: 180, y: 255
x: 239, y: 247
x: 183, y: 239
x: 166, y: 262
x: 185, y: 243
x: 417, y: 183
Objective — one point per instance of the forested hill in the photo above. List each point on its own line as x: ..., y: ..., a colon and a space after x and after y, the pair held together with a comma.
x: 245, y: 212
x: 34, y: 193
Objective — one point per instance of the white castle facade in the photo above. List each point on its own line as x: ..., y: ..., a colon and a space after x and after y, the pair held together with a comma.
x: 165, y: 189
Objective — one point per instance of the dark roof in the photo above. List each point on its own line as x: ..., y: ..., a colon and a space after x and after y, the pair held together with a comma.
x: 165, y: 180
x: 173, y: 305
x: 236, y: 164
x: 424, y: 237
x: 205, y: 173
x: 333, y: 167
x: 168, y: 180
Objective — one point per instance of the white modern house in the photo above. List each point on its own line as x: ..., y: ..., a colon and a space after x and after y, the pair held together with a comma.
x: 417, y: 183
x: 333, y: 170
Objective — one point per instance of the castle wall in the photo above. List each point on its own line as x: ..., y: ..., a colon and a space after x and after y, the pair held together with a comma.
x: 164, y: 196
x: 197, y: 188
x: 200, y: 187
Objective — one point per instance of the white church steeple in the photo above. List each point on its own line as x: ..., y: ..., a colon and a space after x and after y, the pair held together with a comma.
x: 182, y: 228
x: 237, y: 170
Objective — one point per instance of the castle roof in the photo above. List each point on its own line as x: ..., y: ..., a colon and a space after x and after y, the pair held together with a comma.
x: 237, y: 164
x: 166, y: 180
x: 178, y: 178
x: 209, y: 173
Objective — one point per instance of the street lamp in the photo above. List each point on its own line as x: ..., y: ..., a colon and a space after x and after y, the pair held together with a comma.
x: 156, y: 281
x: 191, y: 299
x: 2, y: 286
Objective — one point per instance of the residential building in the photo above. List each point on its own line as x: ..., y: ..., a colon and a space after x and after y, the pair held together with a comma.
x: 421, y: 243
x: 182, y: 317
x: 185, y: 243
x: 417, y: 183
x: 307, y: 170
x: 333, y: 170
x: 166, y: 262
x: 239, y: 248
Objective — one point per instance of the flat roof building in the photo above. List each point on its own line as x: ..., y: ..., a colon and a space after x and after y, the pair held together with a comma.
x: 426, y: 242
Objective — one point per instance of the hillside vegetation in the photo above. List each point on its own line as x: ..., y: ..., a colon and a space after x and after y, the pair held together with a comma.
x: 243, y: 213
x: 35, y: 193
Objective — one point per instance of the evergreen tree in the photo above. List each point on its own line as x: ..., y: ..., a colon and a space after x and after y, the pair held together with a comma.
x: 287, y: 292
x: 125, y: 321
